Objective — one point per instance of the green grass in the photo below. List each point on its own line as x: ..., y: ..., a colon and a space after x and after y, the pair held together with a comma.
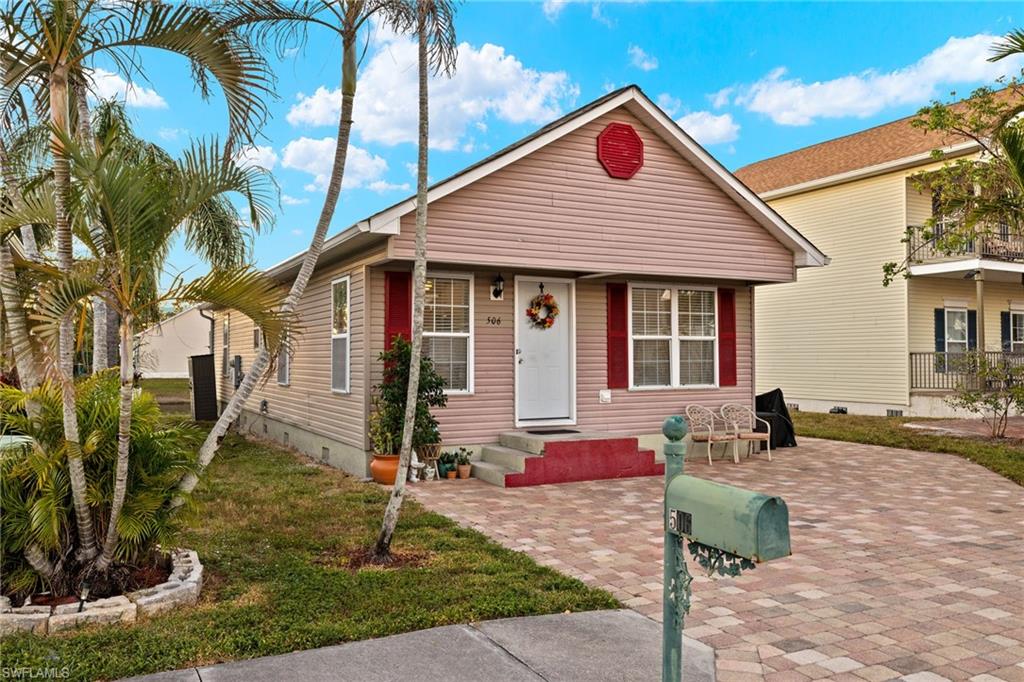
x: 1005, y: 457
x: 167, y: 389
x: 273, y: 533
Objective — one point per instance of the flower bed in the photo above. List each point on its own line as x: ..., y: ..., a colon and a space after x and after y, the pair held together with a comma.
x: 181, y: 589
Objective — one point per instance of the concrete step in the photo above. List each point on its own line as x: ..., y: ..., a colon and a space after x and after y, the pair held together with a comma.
x: 491, y: 473
x: 509, y: 458
x: 520, y: 440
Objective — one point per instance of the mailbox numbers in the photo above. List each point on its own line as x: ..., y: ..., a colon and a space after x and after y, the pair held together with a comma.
x: 680, y: 522
x: 494, y: 321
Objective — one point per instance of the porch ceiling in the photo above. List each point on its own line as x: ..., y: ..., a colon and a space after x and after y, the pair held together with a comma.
x: 963, y: 268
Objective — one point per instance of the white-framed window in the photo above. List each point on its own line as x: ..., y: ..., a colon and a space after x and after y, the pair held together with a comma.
x: 673, y: 336
x: 956, y: 330
x: 225, y: 351
x: 1017, y: 332
x: 448, y: 328
x: 257, y: 338
x: 340, y: 338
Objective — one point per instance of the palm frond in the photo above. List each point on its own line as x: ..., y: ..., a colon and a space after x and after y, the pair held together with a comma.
x: 1012, y: 43
x: 246, y: 290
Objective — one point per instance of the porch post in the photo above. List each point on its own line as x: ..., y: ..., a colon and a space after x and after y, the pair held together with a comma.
x: 979, y: 292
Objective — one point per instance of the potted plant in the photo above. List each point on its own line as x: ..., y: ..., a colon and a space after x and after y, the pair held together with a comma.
x: 446, y: 465
x: 387, y: 418
x: 462, y: 461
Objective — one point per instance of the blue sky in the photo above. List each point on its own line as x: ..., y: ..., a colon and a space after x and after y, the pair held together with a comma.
x: 747, y: 80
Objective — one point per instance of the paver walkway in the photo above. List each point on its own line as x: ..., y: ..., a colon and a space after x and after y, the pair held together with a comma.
x: 906, y: 564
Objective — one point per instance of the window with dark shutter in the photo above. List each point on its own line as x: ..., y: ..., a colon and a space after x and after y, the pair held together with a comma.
x: 618, y: 335
x: 397, y: 306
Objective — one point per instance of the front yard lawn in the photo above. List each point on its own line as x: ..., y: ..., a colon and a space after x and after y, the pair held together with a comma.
x: 275, y: 533
x: 1004, y: 457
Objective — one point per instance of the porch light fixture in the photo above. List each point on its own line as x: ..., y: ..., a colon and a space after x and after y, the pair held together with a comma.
x: 498, y: 288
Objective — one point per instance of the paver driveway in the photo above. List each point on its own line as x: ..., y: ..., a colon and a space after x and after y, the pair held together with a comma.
x: 906, y: 564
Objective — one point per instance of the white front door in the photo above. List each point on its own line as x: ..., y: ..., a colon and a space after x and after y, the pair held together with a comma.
x: 544, y: 357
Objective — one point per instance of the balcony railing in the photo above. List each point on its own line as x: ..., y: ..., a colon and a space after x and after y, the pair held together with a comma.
x: 947, y: 371
x: 1000, y: 244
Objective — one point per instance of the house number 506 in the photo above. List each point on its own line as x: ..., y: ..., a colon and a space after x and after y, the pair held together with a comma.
x: 494, y: 321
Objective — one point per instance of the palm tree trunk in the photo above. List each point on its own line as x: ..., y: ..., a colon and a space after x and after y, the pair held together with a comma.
x: 38, y: 560
x: 30, y: 370
x: 262, y: 361
x: 66, y: 345
x: 100, y: 359
x: 17, y: 326
x: 28, y: 236
x: 382, y: 550
x: 124, y: 426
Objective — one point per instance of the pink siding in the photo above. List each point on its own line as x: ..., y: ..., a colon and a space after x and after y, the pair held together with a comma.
x: 308, y: 400
x: 558, y: 209
x: 481, y: 417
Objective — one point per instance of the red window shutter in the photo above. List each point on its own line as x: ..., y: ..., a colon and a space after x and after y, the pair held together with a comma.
x: 397, y: 306
x: 726, y: 337
x: 618, y: 336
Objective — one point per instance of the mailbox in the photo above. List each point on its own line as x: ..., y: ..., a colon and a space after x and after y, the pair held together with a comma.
x: 750, y: 525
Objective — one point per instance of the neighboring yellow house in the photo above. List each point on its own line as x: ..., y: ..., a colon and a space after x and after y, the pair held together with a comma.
x: 837, y: 337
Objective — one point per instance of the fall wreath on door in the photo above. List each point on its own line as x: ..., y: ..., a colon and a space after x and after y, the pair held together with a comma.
x: 542, y: 311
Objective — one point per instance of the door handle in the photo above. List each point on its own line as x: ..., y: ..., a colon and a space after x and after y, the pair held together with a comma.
x: 520, y: 361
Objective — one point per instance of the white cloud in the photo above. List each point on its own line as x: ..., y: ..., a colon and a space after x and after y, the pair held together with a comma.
x: 171, y: 134
x: 289, y: 200
x: 297, y: 232
x: 640, y: 59
x: 552, y: 8
x: 385, y: 186
x: 708, y: 128
x: 669, y: 104
x: 108, y: 85
x: 315, y: 157
x: 487, y: 82
x: 791, y: 101
x: 257, y: 155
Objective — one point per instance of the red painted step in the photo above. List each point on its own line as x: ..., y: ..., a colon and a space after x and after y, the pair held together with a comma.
x: 565, y: 461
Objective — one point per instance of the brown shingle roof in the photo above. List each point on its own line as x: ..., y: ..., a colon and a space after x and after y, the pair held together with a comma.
x: 887, y: 142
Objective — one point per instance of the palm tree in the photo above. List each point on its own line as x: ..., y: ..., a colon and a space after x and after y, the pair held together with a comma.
x: 46, y: 48
x: 129, y: 204
x: 347, y: 19
x: 435, y: 31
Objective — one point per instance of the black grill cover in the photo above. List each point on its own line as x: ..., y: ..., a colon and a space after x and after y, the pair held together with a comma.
x: 772, y: 407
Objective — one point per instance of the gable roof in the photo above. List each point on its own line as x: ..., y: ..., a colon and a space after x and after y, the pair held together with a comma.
x: 882, y: 144
x: 883, y: 148
x: 386, y: 222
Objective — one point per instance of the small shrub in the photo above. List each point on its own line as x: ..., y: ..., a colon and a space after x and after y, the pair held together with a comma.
x: 992, y: 389
x: 388, y: 416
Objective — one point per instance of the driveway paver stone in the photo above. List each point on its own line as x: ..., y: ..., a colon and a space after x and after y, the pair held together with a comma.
x: 905, y: 563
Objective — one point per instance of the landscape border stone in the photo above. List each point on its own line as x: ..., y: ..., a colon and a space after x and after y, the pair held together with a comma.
x: 181, y: 590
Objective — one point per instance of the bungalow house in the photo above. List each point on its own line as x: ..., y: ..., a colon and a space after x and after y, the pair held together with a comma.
x: 650, y: 248
x: 838, y: 337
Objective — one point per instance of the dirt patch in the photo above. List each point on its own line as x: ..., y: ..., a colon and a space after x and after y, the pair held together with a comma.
x: 362, y: 558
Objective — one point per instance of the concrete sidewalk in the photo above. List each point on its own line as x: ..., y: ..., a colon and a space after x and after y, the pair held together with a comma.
x: 597, y: 646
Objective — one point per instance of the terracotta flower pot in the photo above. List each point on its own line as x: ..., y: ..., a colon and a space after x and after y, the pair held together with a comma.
x: 384, y: 468
x: 451, y: 474
x: 464, y: 470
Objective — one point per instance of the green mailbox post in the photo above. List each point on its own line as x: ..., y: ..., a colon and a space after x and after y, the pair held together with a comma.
x: 727, y: 529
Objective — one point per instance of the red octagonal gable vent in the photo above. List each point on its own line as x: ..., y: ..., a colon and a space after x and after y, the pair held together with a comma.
x: 620, y: 150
